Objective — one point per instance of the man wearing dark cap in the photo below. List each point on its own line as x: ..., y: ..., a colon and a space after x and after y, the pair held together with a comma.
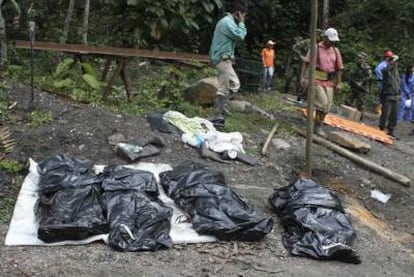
x: 390, y: 95
x: 359, y: 78
x: 378, y: 73
x: 229, y: 30
x: 299, y: 51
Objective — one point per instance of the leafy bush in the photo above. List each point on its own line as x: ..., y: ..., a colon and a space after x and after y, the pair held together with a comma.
x: 37, y: 118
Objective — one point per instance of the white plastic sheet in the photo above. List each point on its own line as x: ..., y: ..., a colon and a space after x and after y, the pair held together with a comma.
x: 23, y: 225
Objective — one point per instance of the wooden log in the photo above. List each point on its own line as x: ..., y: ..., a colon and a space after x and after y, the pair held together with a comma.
x: 401, y: 179
x: 269, y: 138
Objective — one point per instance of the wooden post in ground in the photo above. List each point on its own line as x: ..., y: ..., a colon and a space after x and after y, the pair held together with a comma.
x: 309, y: 131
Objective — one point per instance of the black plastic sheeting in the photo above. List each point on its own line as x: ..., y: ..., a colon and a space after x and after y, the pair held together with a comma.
x: 157, y: 122
x: 138, y: 220
x: 315, y: 222
x: 75, y: 204
x: 215, y: 209
x: 70, y: 200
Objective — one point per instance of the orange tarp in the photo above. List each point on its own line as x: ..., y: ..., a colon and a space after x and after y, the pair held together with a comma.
x: 357, y: 128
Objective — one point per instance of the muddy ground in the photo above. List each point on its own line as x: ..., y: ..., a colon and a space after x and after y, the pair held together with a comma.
x: 384, y: 231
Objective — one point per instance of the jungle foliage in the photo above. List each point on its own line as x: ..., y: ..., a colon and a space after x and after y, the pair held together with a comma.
x: 187, y: 26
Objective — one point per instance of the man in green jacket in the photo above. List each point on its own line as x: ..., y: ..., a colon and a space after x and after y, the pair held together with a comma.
x: 390, y: 94
x: 228, y: 31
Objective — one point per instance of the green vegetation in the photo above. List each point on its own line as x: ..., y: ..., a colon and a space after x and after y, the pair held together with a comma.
x: 10, y: 166
x: 6, y: 208
x: 6, y: 200
x: 3, y: 102
x: 157, y: 24
x: 38, y: 118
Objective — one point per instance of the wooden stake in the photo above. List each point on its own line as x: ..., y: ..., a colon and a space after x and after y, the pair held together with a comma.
x: 269, y: 138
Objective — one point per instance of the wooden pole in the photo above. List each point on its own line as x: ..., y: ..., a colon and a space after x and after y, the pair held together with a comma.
x: 269, y: 138
x: 309, y: 131
x: 401, y: 179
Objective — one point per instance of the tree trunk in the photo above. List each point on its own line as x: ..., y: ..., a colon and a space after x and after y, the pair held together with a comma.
x: 3, y: 46
x: 67, y: 22
x: 3, y: 41
x: 325, y: 14
x: 85, y: 23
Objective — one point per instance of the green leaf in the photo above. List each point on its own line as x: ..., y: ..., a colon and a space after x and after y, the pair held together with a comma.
x: 219, y: 4
x: 65, y: 83
x: 63, y: 66
x: 132, y: 2
x: 88, y: 68
x: 91, y: 81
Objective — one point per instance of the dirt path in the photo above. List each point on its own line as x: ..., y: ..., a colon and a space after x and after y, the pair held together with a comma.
x: 384, y: 232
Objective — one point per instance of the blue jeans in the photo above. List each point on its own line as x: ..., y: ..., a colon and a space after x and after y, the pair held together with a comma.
x: 267, y: 76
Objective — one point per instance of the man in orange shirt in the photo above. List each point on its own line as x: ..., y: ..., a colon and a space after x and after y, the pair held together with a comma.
x: 268, y: 57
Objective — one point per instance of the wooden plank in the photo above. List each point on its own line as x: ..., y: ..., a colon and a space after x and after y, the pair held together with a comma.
x: 111, y: 51
x: 356, y: 128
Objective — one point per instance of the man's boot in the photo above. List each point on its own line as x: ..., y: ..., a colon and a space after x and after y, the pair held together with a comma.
x: 218, y: 111
x: 226, y: 107
x: 320, y: 116
x: 218, y: 106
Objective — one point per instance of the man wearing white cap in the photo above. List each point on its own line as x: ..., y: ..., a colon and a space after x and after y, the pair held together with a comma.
x: 268, y: 57
x: 328, y: 76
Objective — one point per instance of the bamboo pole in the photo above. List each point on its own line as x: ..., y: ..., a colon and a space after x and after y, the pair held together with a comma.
x: 401, y: 179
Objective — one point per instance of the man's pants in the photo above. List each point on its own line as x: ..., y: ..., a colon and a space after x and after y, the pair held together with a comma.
x: 294, y: 72
x: 267, y: 76
x: 405, y: 113
x: 323, y: 98
x: 227, y: 78
x: 388, y: 117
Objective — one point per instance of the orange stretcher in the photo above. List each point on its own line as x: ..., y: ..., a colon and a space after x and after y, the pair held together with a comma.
x: 357, y: 128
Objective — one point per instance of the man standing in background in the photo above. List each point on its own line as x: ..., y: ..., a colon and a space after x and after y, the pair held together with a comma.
x: 378, y: 72
x: 360, y: 78
x: 268, y: 58
x: 298, y: 54
x: 328, y: 76
x: 390, y: 96
x: 228, y: 31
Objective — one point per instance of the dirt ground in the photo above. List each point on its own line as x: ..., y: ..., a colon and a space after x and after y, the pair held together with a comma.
x: 385, y: 232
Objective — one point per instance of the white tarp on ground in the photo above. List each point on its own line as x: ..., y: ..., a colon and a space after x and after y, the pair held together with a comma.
x: 23, y: 225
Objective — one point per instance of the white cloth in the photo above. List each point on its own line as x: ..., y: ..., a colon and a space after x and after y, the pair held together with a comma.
x: 199, y: 128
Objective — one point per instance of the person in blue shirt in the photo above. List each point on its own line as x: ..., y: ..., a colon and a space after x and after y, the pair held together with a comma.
x: 229, y: 30
x: 378, y: 72
x: 390, y: 96
x: 407, y: 91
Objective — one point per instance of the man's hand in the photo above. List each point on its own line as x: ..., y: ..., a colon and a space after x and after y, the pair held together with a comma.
x: 304, y: 82
x: 240, y: 17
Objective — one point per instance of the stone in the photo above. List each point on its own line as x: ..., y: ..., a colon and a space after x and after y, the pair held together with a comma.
x: 280, y: 144
x: 116, y: 138
x: 349, y: 142
x: 202, y: 92
x: 350, y: 113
